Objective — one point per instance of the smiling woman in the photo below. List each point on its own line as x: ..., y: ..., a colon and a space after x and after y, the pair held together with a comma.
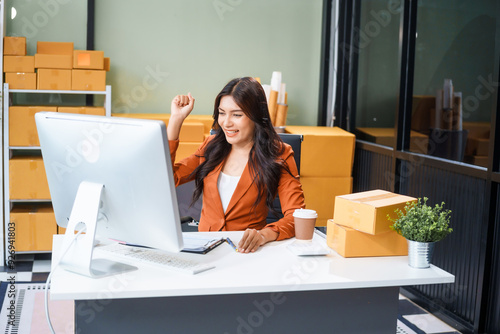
x: 239, y: 170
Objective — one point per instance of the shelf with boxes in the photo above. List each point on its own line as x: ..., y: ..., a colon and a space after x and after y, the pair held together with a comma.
x: 55, y: 66
x: 26, y: 196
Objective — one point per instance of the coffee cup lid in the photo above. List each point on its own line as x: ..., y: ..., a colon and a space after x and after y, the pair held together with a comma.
x: 305, y: 213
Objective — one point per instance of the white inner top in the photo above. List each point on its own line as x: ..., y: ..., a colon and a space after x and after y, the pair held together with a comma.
x: 226, y: 185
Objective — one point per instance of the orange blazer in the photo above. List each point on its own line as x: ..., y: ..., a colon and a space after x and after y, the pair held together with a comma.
x: 240, y: 213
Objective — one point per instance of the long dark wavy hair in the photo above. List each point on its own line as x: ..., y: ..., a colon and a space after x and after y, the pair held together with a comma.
x: 264, y: 162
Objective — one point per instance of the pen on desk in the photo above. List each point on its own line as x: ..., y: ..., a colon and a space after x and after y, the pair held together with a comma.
x: 231, y: 243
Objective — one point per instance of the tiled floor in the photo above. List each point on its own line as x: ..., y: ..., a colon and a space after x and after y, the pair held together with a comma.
x: 411, y: 320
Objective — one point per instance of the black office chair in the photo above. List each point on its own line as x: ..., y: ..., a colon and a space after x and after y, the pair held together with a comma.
x: 295, y: 141
x: 191, y: 214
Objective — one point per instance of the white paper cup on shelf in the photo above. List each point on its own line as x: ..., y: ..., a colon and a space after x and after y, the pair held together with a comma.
x: 305, y: 221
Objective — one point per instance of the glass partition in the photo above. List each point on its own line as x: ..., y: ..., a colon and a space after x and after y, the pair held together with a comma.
x: 195, y: 46
x: 378, y: 71
x: 454, y: 78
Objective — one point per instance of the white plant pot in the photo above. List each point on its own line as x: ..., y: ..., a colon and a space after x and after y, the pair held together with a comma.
x: 420, y: 253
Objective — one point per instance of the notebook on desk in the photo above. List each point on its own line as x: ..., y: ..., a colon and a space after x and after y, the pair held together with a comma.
x: 193, y: 243
x: 200, y: 244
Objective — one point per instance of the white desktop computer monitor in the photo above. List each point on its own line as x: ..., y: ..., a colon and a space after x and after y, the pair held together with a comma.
x: 113, y: 176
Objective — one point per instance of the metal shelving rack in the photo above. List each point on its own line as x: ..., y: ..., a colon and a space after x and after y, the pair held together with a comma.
x: 8, y: 150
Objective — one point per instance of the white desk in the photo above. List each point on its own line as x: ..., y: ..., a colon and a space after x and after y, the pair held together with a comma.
x: 270, y: 291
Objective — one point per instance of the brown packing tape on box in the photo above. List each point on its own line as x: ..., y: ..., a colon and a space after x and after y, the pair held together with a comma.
x: 367, y: 211
x: 273, y: 107
x: 351, y: 243
x: 281, y: 113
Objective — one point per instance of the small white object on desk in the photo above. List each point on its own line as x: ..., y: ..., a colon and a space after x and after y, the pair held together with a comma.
x: 307, y: 248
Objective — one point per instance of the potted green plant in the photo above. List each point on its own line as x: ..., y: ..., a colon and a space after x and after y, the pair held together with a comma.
x: 422, y: 225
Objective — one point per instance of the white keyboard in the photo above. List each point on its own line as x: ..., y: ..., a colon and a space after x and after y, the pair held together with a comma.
x: 172, y: 261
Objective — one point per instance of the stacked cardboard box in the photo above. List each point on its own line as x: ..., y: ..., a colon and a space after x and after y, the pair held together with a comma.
x: 360, y: 226
x: 19, y: 68
x: 22, y: 127
x: 55, y: 66
x: 34, y: 225
x: 327, y: 156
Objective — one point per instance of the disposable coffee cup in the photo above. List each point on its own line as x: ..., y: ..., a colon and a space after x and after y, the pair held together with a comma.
x: 305, y: 221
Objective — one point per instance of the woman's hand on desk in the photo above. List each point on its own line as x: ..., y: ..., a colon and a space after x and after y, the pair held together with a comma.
x: 252, y: 239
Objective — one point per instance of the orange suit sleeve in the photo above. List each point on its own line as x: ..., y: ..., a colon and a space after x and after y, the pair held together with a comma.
x: 290, y: 195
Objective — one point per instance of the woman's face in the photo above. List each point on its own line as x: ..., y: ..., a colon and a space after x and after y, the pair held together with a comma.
x: 238, y: 128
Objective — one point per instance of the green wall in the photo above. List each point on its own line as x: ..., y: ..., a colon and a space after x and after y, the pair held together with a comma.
x: 159, y: 49
x: 50, y: 20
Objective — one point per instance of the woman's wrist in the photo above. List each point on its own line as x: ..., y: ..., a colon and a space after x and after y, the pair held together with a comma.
x: 269, y: 234
x: 174, y: 127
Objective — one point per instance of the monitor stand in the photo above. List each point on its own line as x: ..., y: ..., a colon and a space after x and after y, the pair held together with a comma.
x: 78, y: 257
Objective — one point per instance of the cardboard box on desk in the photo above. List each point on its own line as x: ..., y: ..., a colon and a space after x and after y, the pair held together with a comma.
x: 325, y: 151
x: 14, y: 46
x: 55, y: 48
x: 101, y: 111
x: 351, y: 243
x: 22, y: 127
x: 92, y: 80
x: 320, y: 193
x: 28, y: 179
x: 54, y: 79
x: 43, y: 60
x: 367, y: 211
x: 21, y: 80
x: 35, y: 226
